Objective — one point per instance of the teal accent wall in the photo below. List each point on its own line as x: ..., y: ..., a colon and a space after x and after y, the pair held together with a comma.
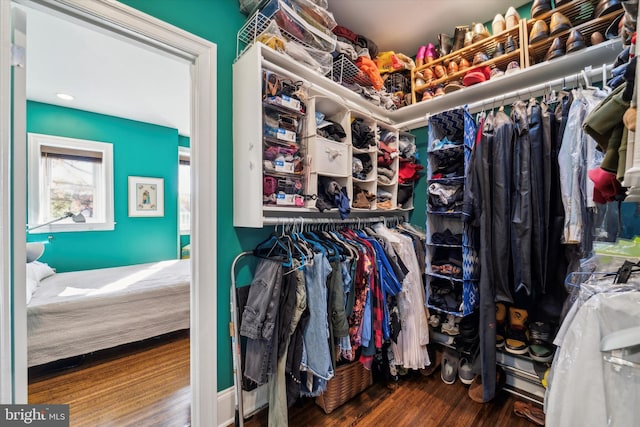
x: 184, y: 141
x: 139, y: 149
x: 419, y: 214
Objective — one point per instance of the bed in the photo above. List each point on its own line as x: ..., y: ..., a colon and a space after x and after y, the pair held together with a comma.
x: 75, y: 313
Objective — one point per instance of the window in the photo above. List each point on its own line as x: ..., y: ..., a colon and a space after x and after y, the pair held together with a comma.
x: 69, y: 177
x: 184, y: 189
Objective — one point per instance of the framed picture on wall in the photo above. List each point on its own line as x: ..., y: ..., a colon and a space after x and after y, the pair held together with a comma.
x: 146, y: 196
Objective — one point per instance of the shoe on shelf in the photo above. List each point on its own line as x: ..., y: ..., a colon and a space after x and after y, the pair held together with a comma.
x: 575, y: 41
x: 498, y: 25
x: 501, y: 319
x: 449, y: 367
x: 541, y: 348
x: 434, y: 320
x: 556, y: 49
x: 517, y: 338
x: 539, y: 31
x: 539, y: 7
x: 464, y: 371
x: 559, y: 23
x: 450, y: 326
x: 512, y: 17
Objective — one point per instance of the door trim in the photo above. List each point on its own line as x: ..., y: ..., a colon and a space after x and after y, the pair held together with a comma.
x: 134, y: 24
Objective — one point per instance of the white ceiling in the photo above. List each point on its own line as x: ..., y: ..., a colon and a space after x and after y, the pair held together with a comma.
x: 104, y: 73
x: 404, y: 25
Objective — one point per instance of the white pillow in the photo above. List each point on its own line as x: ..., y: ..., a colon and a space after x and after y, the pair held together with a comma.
x: 39, y: 270
x: 36, y: 271
x: 31, y: 287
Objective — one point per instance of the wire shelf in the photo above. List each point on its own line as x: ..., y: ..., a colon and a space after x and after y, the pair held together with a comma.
x: 254, y: 26
x: 345, y: 71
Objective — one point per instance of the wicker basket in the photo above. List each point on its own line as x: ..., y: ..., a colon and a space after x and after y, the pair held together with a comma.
x: 350, y: 380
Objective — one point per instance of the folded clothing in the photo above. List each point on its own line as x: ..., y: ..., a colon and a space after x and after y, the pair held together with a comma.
x: 361, y: 134
x: 362, y: 198
x: 409, y: 172
x: 332, y: 195
x: 444, y: 143
x: 331, y: 130
x: 361, y: 166
x: 383, y: 195
x: 444, y: 195
x: 405, y: 195
x: 446, y: 237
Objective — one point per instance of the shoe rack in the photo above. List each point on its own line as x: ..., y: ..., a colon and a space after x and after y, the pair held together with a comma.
x: 486, y: 46
x: 580, y: 14
x: 522, y: 378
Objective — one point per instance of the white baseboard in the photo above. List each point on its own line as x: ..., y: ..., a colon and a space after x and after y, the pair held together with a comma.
x: 226, y: 407
x: 253, y: 401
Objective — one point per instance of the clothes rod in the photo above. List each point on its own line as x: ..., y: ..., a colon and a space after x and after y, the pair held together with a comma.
x: 593, y: 74
x: 359, y: 220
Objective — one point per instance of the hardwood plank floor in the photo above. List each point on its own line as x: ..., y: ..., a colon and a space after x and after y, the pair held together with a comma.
x: 148, y: 385
x: 416, y: 401
x: 145, y: 384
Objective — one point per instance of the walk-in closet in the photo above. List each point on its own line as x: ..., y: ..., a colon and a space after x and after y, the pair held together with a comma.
x: 452, y: 214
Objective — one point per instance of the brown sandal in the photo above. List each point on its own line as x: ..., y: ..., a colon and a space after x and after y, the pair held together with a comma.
x: 529, y: 411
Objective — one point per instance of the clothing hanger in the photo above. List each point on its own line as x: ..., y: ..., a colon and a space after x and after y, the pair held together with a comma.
x: 274, y: 248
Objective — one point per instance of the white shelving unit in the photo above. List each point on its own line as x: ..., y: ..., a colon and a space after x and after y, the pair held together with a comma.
x: 325, y: 159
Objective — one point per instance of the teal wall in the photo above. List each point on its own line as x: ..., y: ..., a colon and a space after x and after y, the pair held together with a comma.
x: 419, y: 215
x: 139, y: 149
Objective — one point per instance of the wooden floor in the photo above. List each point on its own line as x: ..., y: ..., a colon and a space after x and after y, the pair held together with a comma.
x: 416, y: 401
x: 139, y: 385
x: 149, y: 386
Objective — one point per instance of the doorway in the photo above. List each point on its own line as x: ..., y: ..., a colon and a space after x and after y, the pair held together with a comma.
x: 131, y: 24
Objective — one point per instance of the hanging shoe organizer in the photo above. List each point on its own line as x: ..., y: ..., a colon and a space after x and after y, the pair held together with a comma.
x: 452, y: 259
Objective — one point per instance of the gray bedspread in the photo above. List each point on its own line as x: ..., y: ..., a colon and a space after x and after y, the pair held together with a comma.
x: 83, y: 311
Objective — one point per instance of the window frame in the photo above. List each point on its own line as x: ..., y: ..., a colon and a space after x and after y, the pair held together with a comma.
x: 184, y: 153
x: 36, y: 141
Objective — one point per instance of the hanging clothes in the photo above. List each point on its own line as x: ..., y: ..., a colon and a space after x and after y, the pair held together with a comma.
x: 320, y: 299
x: 575, y: 156
x: 410, y: 350
x: 578, y: 393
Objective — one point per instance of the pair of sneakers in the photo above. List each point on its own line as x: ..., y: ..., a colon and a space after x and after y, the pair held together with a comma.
x: 514, y: 334
x: 451, y: 326
x: 520, y: 337
x: 455, y: 366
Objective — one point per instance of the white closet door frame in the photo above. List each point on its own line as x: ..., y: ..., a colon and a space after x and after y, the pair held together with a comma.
x: 136, y: 25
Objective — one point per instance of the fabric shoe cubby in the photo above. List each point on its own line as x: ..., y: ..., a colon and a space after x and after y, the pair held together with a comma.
x: 364, y: 162
x: 452, y: 259
x: 387, y: 167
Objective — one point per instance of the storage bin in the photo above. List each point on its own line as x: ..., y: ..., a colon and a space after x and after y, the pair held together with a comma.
x: 286, y: 14
x: 283, y: 190
x: 331, y: 158
x: 349, y: 381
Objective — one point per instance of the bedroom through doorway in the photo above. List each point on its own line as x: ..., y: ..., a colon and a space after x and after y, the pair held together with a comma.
x: 136, y: 137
